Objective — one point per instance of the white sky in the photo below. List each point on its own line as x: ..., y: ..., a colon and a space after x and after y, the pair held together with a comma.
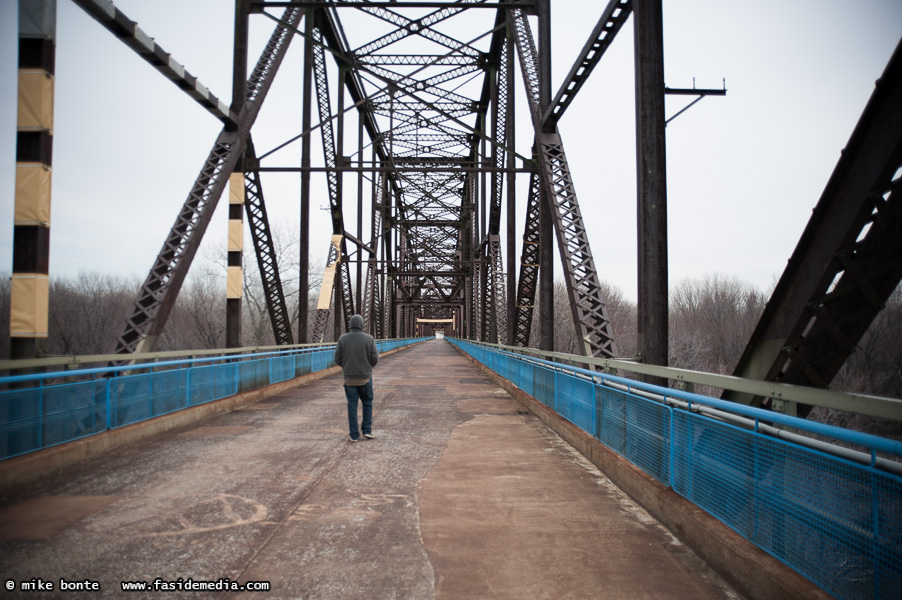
x: 744, y: 171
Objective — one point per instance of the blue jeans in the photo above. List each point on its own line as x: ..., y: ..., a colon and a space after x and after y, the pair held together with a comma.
x: 365, y: 394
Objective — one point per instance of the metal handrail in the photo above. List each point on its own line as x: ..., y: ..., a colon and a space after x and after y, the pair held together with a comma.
x: 72, y: 360
x: 152, y: 360
x: 863, y: 404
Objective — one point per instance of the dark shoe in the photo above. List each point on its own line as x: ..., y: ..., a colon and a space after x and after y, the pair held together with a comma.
x: 352, y: 439
x: 369, y: 436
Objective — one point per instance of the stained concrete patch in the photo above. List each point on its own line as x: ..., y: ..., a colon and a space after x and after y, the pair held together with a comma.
x: 475, y: 380
x: 491, y: 405
x: 507, y: 513
x: 221, y: 430
x: 166, y: 516
x: 260, y: 406
x: 41, y: 518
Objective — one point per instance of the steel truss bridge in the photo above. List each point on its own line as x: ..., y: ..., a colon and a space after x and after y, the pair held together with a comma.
x: 432, y: 84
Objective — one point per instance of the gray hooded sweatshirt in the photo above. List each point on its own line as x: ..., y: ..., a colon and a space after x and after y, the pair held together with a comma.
x: 356, y: 352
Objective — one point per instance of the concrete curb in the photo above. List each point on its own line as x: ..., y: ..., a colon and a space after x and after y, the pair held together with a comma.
x: 753, y: 572
x: 21, y: 469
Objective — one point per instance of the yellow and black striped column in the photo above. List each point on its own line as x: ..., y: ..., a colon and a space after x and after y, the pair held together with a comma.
x: 235, y: 278
x: 34, y: 153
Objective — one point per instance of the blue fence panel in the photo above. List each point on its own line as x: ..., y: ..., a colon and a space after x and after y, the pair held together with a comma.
x: 212, y: 382
x: 281, y: 368
x: 525, y: 377
x: 20, y: 425
x: 73, y: 411
x: 637, y: 428
x: 301, y: 364
x: 509, y: 368
x: 38, y: 417
x: 320, y: 359
x: 253, y: 374
x: 612, y: 431
x: 836, y: 522
x: 575, y: 400
x: 543, y: 385
x: 648, y: 436
x: 137, y: 397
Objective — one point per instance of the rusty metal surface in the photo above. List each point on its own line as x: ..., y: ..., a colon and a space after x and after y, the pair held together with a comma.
x: 461, y: 494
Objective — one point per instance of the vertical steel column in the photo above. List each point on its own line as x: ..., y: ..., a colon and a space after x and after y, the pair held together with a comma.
x: 239, y: 59
x: 652, y: 183
x: 546, y: 227
x: 306, y: 109
x: 511, y: 194
x: 237, y: 195
x: 359, y: 302
x: 235, y: 268
x: 30, y: 293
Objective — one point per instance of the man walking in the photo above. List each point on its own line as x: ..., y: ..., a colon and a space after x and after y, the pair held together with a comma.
x: 356, y: 354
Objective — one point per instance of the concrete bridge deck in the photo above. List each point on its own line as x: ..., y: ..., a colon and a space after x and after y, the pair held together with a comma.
x: 463, y: 494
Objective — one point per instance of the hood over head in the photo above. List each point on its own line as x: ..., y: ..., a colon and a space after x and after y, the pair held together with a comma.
x: 356, y: 322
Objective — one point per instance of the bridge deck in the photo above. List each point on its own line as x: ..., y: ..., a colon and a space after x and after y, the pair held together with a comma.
x: 461, y: 494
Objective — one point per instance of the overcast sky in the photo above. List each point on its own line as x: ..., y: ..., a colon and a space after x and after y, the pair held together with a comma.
x: 744, y: 171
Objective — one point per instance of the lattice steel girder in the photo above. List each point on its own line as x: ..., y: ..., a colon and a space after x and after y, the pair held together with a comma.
x: 418, y: 59
x: 498, y: 288
x: 160, y: 289
x: 847, y: 262
x: 323, y: 102
x: 612, y: 19
x: 132, y: 36
x: 255, y: 208
x: 583, y: 288
x: 500, y: 132
x: 529, y: 266
x: 422, y: 27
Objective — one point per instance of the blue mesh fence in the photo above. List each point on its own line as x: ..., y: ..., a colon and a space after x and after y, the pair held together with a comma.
x: 837, y: 522
x: 134, y: 398
x: 253, y: 374
x: 302, y: 364
x: 281, y: 369
x: 575, y: 400
x: 212, y: 382
x: 36, y: 415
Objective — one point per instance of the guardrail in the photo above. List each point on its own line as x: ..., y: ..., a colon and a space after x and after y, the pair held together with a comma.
x: 833, y: 519
x: 46, y: 409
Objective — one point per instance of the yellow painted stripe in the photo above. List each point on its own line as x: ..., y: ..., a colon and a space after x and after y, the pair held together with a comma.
x: 30, y: 294
x: 35, y: 100
x: 32, y: 194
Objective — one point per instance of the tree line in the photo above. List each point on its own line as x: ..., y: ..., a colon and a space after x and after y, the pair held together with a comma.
x: 711, y: 319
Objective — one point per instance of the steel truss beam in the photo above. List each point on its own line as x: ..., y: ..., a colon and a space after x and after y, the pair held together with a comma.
x: 583, y: 288
x: 612, y: 19
x: 132, y: 36
x: 321, y: 81
x: 159, y: 291
x: 847, y: 262
x: 255, y: 209
x: 528, y: 282
x: 372, y: 301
